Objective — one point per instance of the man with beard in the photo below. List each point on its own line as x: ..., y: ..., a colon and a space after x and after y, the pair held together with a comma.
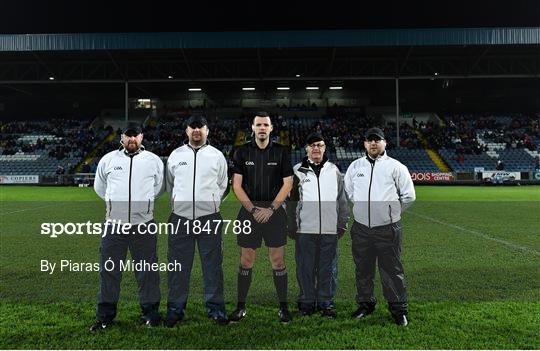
x: 380, y: 189
x: 196, y: 179
x: 262, y: 180
x: 129, y: 179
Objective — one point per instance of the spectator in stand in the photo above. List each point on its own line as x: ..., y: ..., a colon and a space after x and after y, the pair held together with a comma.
x: 500, y: 165
x: 60, y: 173
x: 60, y: 170
x: 85, y: 168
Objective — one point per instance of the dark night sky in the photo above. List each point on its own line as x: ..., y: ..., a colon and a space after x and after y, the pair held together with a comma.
x: 80, y: 16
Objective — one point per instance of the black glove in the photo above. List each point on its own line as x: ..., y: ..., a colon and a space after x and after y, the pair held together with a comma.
x: 340, y: 232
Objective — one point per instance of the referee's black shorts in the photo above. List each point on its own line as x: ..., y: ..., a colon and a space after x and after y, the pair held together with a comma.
x: 274, y: 232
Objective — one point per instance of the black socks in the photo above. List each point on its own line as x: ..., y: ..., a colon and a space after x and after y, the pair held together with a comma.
x: 280, y: 282
x: 244, y: 282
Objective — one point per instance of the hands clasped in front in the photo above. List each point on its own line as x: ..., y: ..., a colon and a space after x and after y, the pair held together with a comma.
x: 262, y: 214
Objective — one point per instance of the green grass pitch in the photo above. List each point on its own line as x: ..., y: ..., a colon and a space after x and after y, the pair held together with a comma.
x: 471, y: 256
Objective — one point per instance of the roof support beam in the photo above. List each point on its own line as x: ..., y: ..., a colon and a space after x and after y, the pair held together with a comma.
x: 116, y: 65
x: 259, y: 61
x: 331, y: 62
x: 186, y: 61
x: 42, y: 64
x: 404, y: 63
x: 484, y: 52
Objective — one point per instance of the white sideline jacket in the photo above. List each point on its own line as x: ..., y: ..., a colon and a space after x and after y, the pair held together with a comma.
x: 196, y: 180
x: 317, y: 205
x: 380, y: 192
x: 129, y: 185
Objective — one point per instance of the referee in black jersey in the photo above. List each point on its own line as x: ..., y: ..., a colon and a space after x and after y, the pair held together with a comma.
x: 262, y: 179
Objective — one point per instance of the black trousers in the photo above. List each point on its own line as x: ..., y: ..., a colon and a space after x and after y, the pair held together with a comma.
x: 182, y: 249
x: 379, y: 246
x: 114, y: 247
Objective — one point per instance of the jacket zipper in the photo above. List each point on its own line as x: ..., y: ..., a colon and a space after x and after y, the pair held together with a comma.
x: 320, y: 212
x: 318, y: 238
x: 147, y: 212
x: 129, y: 201
x: 369, y: 194
x: 194, y: 173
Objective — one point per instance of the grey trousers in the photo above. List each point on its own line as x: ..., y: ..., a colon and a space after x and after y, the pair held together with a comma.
x: 379, y: 246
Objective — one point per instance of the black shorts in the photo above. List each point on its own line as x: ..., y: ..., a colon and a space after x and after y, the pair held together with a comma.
x: 274, y: 231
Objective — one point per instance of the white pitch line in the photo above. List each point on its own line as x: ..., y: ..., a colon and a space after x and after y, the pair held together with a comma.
x: 26, y: 209
x: 479, y: 234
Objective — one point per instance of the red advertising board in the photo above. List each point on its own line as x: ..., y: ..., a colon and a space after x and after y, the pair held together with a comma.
x: 432, y: 177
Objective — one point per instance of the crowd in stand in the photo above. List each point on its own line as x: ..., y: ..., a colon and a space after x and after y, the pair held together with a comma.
x: 348, y: 132
x: 408, y: 138
x: 63, y: 138
x: 170, y: 134
x: 458, y: 136
x: 342, y: 128
x: 460, y: 132
x: 53, y: 126
x: 339, y: 131
x: 519, y: 134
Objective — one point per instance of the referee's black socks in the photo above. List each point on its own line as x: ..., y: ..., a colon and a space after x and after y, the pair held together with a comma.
x: 244, y: 282
x: 280, y: 282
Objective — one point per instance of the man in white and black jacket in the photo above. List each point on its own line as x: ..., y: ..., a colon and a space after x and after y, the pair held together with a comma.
x: 129, y: 179
x: 380, y: 189
x: 196, y: 180
x: 318, y: 212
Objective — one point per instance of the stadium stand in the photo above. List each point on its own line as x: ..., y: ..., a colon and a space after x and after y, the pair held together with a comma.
x: 471, y: 141
x: 48, y: 148
x: 463, y: 141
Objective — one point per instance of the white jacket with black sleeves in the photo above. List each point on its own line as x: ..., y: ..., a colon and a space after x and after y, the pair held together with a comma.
x: 317, y: 204
x: 196, y: 180
x: 129, y: 184
x: 379, y: 189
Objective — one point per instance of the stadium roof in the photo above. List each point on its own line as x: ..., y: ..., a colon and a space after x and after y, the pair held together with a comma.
x: 270, y: 39
x: 270, y: 56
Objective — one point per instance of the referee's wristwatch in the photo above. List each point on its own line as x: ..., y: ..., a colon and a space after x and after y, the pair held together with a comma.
x: 253, y: 210
x: 272, y: 208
